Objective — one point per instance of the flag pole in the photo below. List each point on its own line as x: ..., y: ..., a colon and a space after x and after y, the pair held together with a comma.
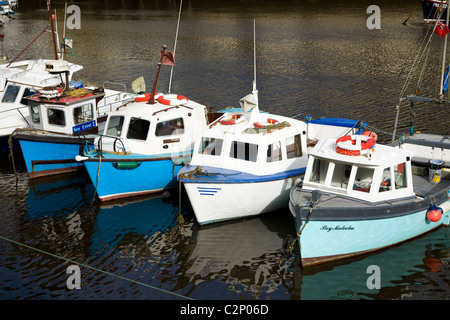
x: 152, y: 96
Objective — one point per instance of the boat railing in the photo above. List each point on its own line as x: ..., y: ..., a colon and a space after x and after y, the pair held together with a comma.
x: 114, y: 83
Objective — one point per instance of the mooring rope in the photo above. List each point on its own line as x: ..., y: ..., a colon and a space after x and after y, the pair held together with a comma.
x: 95, y: 269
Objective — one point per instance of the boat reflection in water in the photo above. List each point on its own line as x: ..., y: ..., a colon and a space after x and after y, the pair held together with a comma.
x: 143, y: 241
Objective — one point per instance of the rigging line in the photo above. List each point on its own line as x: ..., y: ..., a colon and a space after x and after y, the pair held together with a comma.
x: 94, y: 269
x: 420, y: 54
x: 175, y: 45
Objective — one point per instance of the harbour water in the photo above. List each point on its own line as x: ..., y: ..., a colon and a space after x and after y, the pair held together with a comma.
x: 315, y: 58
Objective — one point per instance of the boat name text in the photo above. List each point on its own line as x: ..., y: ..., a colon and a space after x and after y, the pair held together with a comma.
x: 337, y: 228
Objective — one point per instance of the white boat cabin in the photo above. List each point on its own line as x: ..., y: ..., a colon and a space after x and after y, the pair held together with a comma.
x: 382, y: 174
x: 152, y: 129
x: 72, y: 113
x: 261, y: 144
x: 21, y: 80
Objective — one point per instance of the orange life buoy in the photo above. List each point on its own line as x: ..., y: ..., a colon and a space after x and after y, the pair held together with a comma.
x: 145, y: 97
x: 354, y: 145
x: 371, y: 134
x: 268, y: 122
x: 172, y: 99
x: 234, y: 119
x: 50, y: 92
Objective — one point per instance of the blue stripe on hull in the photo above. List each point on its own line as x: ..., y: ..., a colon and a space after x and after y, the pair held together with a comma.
x: 148, y: 177
x: 321, y: 240
x: 43, y: 151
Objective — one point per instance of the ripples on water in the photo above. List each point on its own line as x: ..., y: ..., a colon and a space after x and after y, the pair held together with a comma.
x: 312, y: 58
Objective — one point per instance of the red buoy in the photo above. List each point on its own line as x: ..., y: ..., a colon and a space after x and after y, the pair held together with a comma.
x: 434, y: 214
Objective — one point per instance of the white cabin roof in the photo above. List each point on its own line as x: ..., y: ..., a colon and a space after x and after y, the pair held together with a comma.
x: 381, y: 155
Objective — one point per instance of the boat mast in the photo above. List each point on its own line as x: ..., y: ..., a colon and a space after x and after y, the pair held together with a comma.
x: 53, y: 28
x: 255, y: 91
x: 441, y: 93
x: 175, y: 45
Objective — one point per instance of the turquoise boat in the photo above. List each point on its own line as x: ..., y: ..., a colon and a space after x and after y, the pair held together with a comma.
x: 358, y: 197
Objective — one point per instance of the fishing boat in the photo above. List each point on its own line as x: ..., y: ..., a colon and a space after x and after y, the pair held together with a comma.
x: 432, y: 10
x: 63, y: 120
x: 6, y: 7
x: 145, y: 143
x: 22, y: 79
x: 358, y: 197
x: 144, y: 146
x: 245, y: 162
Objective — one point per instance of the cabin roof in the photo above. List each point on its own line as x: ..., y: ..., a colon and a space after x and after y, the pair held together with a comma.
x: 381, y: 154
x: 247, y: 130
x: 68, y: 99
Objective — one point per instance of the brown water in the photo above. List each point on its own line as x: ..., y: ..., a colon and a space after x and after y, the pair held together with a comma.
x: 312, y: 58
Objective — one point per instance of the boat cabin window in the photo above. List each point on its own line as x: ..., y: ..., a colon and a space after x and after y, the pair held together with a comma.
x: 11, y: 93
x: 319, y: 171
x: 363, y: 179
x: 274, y: 152
x: 211, y: 146
x: 56, y: 117
x: 115, y: 125
x: 393, y: 178
x: 400, y: 176
x: 294, y: 147
x: 83, y: 113
x: 138, y: 129
x: 170, y: 127
x: 341, y: 175
x: 26, y: 93
x: 244, y: 151
x: 35, y: 114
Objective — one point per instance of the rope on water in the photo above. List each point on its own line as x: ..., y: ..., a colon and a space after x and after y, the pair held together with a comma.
x: 95, y: 269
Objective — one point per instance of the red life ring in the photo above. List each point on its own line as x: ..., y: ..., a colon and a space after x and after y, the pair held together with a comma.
x: 50, y: 92
x: 267, y: 123
x: 354, y: 145
x: 145, y: 97
x: 172, y: 99
x: 371, y: 134
x: 234, y: 119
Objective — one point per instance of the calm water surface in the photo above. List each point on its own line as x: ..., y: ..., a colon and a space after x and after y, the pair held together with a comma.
x: 313, y: 57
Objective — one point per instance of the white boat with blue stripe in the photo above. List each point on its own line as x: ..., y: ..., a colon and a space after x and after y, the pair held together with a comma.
x: 246, y: 162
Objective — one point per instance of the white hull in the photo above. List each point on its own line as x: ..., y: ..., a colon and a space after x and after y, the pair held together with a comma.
x: 213, y: 202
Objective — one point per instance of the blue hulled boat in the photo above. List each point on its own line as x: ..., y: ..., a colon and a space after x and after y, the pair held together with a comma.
x: 143, y: 146
x: 62, y: 122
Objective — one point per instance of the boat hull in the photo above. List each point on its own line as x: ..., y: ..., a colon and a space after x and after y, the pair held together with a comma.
x: 214, y: 202
x: 126, y: 177
x: 323, y: 241
x: 47, y: 155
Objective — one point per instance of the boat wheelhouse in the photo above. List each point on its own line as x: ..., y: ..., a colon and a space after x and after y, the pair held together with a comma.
x: 349, y: 205
x: 62, y: 122
x: 143, y: 146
